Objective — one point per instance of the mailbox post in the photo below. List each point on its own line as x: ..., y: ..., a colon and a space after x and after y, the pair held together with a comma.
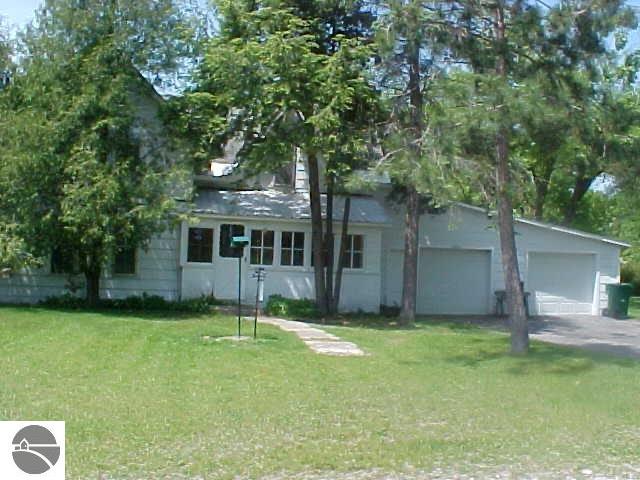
x: 239, y: 242
x: 259, y: 275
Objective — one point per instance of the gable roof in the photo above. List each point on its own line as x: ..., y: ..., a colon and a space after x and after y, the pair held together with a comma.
x: 554, y: 228
x: 284, y: 206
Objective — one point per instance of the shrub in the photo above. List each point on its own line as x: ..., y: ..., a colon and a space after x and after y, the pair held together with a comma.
x: 389, y: 310
x: 630, y: 273
x: 144, y: 302
x: 278, y: 306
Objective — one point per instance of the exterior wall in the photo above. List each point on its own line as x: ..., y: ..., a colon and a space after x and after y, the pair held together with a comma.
x: 156, y: 274
x: 361, y: 287
x: 466, y: 228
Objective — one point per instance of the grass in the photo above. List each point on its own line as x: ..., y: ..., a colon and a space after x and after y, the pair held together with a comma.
x: 634, y: 307
x: 145, y: 396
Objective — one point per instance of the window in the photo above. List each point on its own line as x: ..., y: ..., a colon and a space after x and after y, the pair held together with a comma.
x: 292, y: 249
x: 200, y: 249
x: 262, y: 247
x: 227, y: 232
x: 124, y: 261
x: 63, y: 261
x: 354, y: 252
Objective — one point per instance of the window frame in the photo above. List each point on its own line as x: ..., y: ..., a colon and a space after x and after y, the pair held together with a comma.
x: 121, y: 250
x: 350, y: 251
x: 238, y: 251
x: 261, y: 248
x: 292, y: 249
x: 74, y: 263
x: 200, y: 262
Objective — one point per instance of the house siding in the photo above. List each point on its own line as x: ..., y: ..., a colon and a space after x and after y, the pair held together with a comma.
x: 466, y: 228
x: 361, y: 287
x: 156, y: 274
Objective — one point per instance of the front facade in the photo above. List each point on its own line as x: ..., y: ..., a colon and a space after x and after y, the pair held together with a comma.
x: 460, y: 271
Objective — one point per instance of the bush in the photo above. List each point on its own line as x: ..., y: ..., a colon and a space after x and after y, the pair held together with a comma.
x: 630, y: 273
x: 278, y: 306
x: 144, y: 302
x: 389, y: 310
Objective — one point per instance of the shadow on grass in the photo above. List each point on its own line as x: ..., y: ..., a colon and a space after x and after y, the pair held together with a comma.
x: 542, y: 359
x: 379, y: 322
x: 166, y: 315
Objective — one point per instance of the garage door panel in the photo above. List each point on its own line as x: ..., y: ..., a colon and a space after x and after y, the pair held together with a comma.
x: 452, y: 281
x: 561, y: 283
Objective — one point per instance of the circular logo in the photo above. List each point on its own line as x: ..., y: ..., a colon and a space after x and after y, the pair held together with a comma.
x: 35, y: 450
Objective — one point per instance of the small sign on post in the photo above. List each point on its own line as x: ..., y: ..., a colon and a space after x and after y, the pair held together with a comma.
x: 259, y: 275
x: 239, y: 242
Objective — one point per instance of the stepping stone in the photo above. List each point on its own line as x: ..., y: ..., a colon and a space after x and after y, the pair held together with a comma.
x: 315, y: 338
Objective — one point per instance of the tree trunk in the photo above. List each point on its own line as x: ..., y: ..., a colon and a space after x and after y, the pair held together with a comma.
x: 515, y: 295
x: 316, y: 232
x: 580, y: 189
x: 412, y: 218
x: 329, y: 244
x: 541, y: 182
x: 342, y: 254
x: 410, y: 265
x: 92, y: 277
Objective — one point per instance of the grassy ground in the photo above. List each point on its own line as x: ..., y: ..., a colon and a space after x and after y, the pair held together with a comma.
x: 634, y: 307
x: 147, y: 397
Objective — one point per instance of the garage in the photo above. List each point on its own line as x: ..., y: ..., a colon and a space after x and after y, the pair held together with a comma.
x: 561, y: 283
x: 454, y: 281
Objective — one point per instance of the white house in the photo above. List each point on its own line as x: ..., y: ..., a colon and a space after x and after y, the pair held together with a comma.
x: 460, y: 268
x: 565, y: 271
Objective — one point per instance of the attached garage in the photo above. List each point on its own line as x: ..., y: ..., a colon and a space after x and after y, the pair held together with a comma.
x: 561, y: 283
x: 454, y: 281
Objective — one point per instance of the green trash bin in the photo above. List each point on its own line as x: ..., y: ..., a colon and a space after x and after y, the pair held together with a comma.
x: 619, y: 295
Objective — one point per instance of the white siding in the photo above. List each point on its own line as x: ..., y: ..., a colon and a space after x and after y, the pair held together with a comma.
x: 360, y: 287
x: 465, y: 228
x: 156, y: 274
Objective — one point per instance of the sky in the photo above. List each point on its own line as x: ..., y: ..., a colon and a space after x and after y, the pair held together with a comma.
x: 17, y: 13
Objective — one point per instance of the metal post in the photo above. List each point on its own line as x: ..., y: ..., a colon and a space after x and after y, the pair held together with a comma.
x: 239, y: 290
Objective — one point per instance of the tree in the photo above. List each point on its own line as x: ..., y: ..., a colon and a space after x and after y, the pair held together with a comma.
x: 506, y: 44
x: 410, y: 43
x: 78, y: 172
x: 282, y: 80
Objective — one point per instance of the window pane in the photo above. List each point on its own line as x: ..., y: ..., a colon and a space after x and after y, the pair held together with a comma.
x: 255, y: 256
x: 285, y: 257
x: 267, y: 256
x: 125, y: 261
x: 256, y: 238
x: 357, y: 242
x: 227, y: 232
x: 200, y: 248
x: 357, y: 260
x: 268, y: 238
x: 286, y: 239
x: 298, y: 258
x: 299, y: 240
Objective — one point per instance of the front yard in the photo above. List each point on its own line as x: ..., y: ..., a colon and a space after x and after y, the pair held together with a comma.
x: 148, y: 397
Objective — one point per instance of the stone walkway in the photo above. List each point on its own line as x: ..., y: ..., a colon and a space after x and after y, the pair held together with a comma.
x: 316, y: 339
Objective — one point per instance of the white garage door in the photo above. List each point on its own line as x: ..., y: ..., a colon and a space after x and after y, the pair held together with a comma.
x: 452, y: 281
x: 561, y: 283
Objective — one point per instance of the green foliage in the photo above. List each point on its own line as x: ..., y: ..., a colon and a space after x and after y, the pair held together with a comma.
x: 278, y: 306
x: 148, y: 303
x: 85, y: 163
x: 267, y: 79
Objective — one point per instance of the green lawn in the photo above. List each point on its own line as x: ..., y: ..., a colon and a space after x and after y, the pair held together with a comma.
x: 634, y: 307
x: 147, y: 397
